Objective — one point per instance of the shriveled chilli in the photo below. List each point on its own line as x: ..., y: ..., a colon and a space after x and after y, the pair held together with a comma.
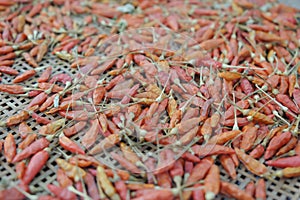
x: 197, y: 87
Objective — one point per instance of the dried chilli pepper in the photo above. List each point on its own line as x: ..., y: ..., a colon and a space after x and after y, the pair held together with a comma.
x: 258, y: 151
x: 10, y: 148
x: 27, y: 141
x: 197, y: 174
x: 292, y: 161
x: 250, y: 188
x: 288, y: 146
x: 288, y: 172
x: 91, y: 185
x: 60, y: 192
x: 231, y: 190
x: 250, y: 163
x: 277, y: 142
x: 71, y: 171
x: 33, y: 148
x: 228, y: 165
x: 24, y: 130
x: 106, y: 184
x: 69, y: 145
x: 62, y: 179
x: 35, y: 164
x: 70, y: 131
x: 20, y: 169
x: 26, y: 75
x: 212, y: 182
x: 260, y: 190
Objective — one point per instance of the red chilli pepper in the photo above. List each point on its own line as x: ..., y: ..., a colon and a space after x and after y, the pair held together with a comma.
x: 198, y: 192
x: 48, y: 102
x: 277, y: 142
x: 10, y: 148
x: 258, y: 151
x: 293, y: 161
x: 40, y: 119
x: 38, y: 100
x: 26, y: 75
x: 212, y: 182
x: 35, y: 164
x: 8, y: 70
x: 45, y: 75
x: 92, y: 186
x: 125, y: 163
x: 14, y: 193
x: 63, y: 179
x: 121, y: 188
x: 29, y: 59
x: 250, y: 188
x: 12, y: 89
x: 61, y: 193
x: 289, y: 146
x: 249, y: 136
x: 24, y: 130
x: 198, y: 172
x: 250, y: 163
x: 211, y: 149
x: 228, y: 165
x: 36, y: 146
x: 246, y: 86
x: 69, y: 145
x: 90, y: 136
x: 27, y: 141
x: 20, y: 169
x: 166, y: 161
x: 233, y: 191
x: 164, y: 180
x: 34, y: 93
x: 260, y: 191
x: 150, y: 194
x: 74, y: 129
x: 286, y: 101
x: 79, y: 187
x: 64, y: 78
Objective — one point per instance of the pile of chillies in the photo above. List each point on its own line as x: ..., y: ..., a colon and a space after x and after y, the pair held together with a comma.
x: 166, y: 94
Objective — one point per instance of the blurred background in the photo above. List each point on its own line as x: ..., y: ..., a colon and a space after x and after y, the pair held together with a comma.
x: 294, y: 3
